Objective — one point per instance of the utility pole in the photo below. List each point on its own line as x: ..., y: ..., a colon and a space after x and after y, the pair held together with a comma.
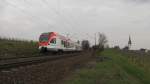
x: 95, y: 39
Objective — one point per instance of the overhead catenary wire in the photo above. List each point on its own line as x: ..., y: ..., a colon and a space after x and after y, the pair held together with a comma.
x: 69, y: 21
x: 33, y: 17
x: 39, y: 20
x: 60, y: 14
x: 37, y: 17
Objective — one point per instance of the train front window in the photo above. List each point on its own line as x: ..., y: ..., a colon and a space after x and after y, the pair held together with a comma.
x: 43, y: 38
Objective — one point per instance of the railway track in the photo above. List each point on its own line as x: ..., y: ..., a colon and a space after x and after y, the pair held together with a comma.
x: 12, y: 63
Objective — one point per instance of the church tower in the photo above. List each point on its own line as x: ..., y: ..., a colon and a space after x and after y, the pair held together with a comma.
x: 129, y: 43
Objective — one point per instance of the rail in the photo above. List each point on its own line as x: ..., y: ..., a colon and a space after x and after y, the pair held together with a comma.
x: 11, y: 63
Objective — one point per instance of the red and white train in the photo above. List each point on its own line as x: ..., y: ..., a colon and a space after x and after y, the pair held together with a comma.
x: 54, y: 42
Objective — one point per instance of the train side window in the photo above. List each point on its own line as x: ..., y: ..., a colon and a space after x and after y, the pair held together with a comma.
x: 53, y: 41
x: 62, y: 42
x: 68, y: 45
x: 65, y: 44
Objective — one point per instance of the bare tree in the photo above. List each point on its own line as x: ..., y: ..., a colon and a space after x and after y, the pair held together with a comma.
x: 102, y: 40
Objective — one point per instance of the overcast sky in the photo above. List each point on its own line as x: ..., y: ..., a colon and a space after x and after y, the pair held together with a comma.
x: 80, y: 19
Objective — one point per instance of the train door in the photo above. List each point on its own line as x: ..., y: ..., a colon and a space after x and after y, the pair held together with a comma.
x: 53, y: 43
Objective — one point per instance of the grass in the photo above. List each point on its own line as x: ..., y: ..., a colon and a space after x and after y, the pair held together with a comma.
x: 10, y: 48
x: 118, y: 70
x: 141, y: 59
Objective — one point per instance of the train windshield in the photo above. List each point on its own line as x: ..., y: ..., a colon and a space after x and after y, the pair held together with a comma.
x: 44, y: 38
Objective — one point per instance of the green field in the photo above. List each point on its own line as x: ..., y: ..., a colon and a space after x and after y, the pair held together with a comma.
x: 118, y: 69
x: 10, y: 48
x: 141, y: 59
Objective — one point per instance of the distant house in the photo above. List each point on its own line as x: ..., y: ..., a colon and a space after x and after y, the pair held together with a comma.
x: 144, y: 50
x: 148, y: 51
x: 117, y: 47
x: 126, y: 48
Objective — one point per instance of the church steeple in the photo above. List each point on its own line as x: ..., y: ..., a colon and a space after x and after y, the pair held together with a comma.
x: 129, y: 42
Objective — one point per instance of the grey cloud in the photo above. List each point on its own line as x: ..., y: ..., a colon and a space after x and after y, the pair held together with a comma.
x: 139, y: 1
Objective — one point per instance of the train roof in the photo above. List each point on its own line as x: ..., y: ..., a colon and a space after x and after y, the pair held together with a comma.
x: 60, y: 36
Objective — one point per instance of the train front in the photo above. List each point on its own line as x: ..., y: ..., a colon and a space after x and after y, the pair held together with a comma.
x: 43, y: 41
